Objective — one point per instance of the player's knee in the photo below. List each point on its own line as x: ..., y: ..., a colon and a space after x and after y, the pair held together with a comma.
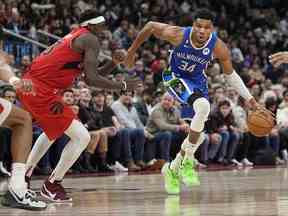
x: 84, y: 137
x: 78, y: 134
x: 201, y: 107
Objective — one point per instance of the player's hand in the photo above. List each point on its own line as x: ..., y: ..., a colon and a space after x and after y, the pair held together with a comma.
x: 130, y: 59
x: 278, y: 58
x: 255, y: 106
x: 119, y: 56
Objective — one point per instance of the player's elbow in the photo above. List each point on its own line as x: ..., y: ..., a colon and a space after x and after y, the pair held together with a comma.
x: 150, y: 25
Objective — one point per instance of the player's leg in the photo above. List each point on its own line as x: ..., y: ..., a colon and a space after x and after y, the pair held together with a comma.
x: 185, y: 158
x: 18, y: 196
x: 79, y: 139
x: 40, y: 147
x: 195, y: 138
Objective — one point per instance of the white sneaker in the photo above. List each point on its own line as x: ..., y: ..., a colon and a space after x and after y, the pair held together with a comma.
x: 199, y: 165
x: 118, y: 167
x: 237, y: 163
x: 279, y: 161
x: 151, y: 162
x: 27, y: 201
x: 246, y: 162
x: 285, y: 155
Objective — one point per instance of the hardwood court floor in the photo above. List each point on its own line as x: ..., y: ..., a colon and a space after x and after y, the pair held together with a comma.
x: 230, y: 192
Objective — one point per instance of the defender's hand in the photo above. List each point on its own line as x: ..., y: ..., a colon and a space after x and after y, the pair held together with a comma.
x: 130, y: 59
x: 278, y: 58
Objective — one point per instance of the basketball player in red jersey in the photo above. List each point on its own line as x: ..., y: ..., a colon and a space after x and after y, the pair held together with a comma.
x: 55, y: 69
x: 17, y: 196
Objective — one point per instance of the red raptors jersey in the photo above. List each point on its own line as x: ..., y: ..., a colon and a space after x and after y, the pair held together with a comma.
x: 59, y: 64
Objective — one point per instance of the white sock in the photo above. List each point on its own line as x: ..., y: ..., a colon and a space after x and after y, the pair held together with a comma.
x: 191, y: 148
x: 176, y: 163
x: 40, y: 147
x: 17, y: 180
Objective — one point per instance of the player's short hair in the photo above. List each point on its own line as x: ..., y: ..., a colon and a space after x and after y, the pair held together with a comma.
x: 88, y: 14
x: 204, y: 14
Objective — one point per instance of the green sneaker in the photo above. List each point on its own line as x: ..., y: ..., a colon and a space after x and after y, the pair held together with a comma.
x: 188, y: 174
x: 172, y: 180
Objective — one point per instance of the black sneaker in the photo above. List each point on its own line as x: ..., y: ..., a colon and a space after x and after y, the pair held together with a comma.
x: 104, y: 168
x: 28, y: 201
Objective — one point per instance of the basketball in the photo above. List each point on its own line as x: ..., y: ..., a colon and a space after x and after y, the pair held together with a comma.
x: 260, y: 123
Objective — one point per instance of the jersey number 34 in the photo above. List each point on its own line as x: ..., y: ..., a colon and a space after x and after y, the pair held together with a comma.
x: 186, y: 67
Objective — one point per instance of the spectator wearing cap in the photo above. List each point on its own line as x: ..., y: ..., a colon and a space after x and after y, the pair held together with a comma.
x: 167, y: 128
x: 128, y: 117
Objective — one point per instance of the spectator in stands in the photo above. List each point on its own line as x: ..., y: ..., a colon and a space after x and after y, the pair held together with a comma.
x: 8, y: 93
x: 109, y: 124
x: 273, y: 139
x: 128, y: 118
x: 143, y: 105
x: 222, y: 121
x: 240, y: 115
x: 99, y: 137
x: 167, y: 128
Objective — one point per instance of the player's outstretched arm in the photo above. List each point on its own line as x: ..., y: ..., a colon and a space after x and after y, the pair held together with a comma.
x: 222, y: 53
x: 279, y: 58
x: 89, y: 44
x: 169, y: 33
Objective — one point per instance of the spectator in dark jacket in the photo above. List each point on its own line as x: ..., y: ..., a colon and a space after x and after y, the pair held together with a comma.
x: 222, y: 122
x: 99, y: 137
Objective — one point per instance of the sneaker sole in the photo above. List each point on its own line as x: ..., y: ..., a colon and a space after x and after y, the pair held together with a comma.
x: 54, y: 201
x: 9, y: 201
x: 163, y: 171
x: 44, y: 195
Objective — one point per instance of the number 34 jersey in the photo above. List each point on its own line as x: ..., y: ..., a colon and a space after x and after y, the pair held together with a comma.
x: 189, y: 62
x: 59, y: 65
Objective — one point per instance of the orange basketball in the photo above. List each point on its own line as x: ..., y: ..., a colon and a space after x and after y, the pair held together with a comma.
x: 260, y: 123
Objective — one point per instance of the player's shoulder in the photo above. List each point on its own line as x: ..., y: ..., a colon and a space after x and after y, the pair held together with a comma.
x: 86, y: 40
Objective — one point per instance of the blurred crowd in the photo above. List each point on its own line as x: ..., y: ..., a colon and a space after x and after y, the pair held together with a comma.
x: 132, y: 130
